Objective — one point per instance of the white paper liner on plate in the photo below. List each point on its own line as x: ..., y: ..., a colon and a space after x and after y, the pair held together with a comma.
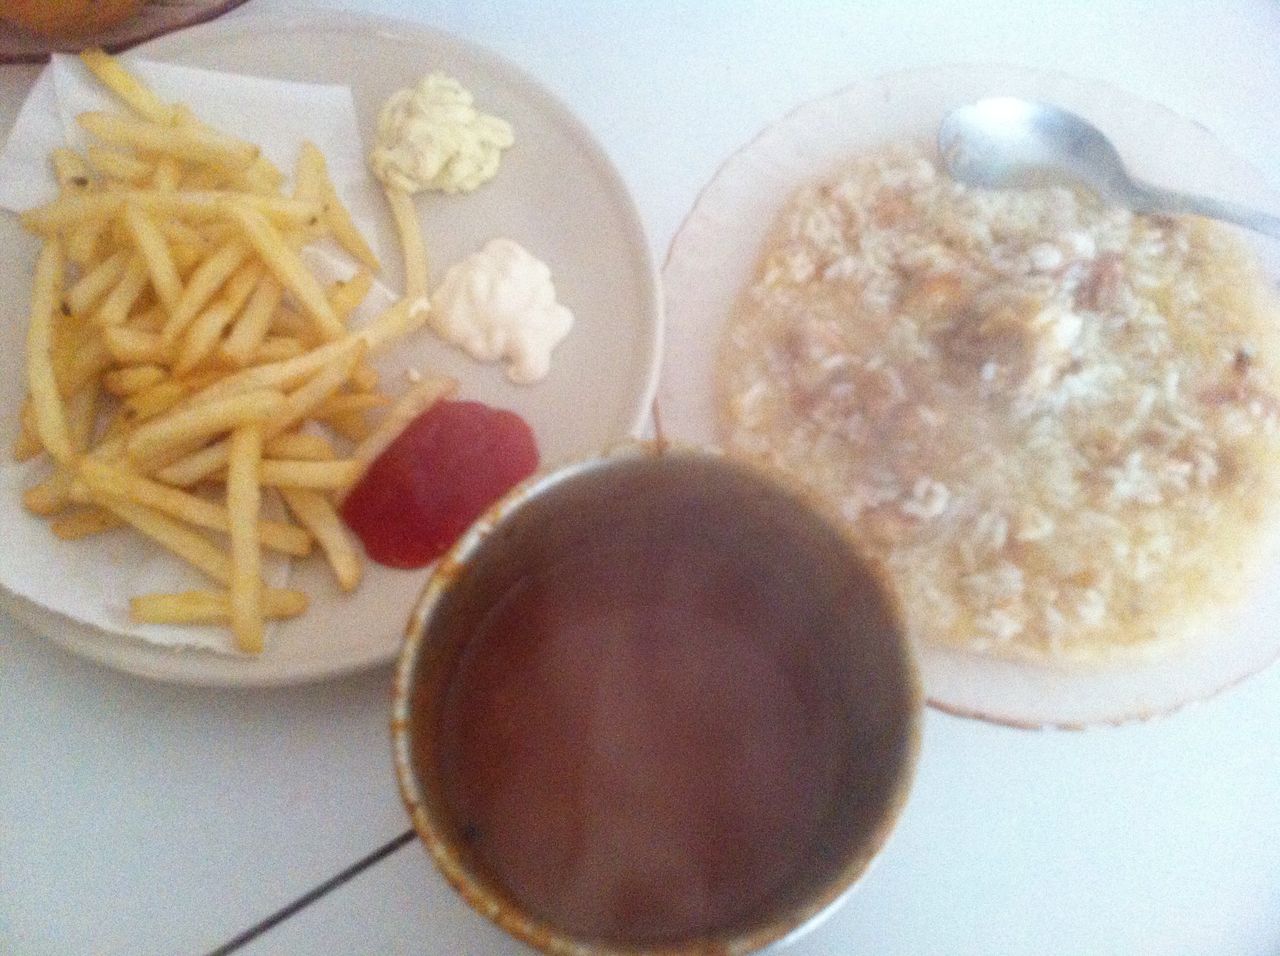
x: 91, y: 581
x: 714, y: 255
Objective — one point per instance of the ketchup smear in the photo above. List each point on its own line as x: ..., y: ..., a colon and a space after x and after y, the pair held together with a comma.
x: 438, y: 476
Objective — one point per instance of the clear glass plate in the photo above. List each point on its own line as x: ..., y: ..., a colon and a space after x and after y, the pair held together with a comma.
x: 714, y: 253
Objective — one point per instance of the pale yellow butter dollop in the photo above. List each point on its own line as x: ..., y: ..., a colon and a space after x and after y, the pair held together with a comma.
x: 500, y: 304
x: 433, y: 137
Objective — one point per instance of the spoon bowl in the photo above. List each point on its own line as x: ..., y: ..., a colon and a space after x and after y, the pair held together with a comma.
x: 1004, y: 142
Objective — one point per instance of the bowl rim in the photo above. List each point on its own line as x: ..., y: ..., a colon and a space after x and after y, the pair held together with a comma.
x: 28, y: 46
x: 1051, y: 83
x: 543, y: 936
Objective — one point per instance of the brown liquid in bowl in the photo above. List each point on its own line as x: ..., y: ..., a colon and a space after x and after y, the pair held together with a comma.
x: 674, y: 725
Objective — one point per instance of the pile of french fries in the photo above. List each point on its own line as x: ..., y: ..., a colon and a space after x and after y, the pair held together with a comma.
x: 183, y: 363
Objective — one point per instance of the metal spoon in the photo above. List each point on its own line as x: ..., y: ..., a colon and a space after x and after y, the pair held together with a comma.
x: 1008, y: 142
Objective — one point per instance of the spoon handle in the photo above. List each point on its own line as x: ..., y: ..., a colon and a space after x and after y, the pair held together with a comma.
x: 1154, y: 199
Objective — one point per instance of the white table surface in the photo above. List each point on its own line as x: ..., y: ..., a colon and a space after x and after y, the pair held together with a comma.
x: 142, y: 819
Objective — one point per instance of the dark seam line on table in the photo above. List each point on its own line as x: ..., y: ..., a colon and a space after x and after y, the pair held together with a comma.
x: 306, y: 899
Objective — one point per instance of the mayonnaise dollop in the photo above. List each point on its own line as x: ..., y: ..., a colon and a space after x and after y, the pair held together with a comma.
x: 432, y: 137
x: 500, y: 303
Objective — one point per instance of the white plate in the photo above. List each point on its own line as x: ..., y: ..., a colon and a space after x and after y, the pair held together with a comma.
x: 557, y: 193
x: 714, y: 254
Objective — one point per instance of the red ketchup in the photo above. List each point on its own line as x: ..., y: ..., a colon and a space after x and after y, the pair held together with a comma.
x: 438, y: 476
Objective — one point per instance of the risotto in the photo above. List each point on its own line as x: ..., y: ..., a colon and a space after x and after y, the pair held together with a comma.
x: 1055, y: 423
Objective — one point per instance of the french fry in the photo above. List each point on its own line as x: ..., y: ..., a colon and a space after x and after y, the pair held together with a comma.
x: 69, y: 169
x: 114, y: 164
x: 153, y: 248
x: 211, y: 607
x: 277, y: 348
x: 50, y: 415
x: 83, y: 243
x: 204, y: 333
x: 265, y: 172
x: 70, y: 335
x: 82, y: 416
x: 27, y: 445
x: 161, y: 435
x: 397, y: 321
x: 346, y: 296
x: 336, y: 215
x: 353, y: 427
x: 73, y: 210
x: 50, y: 496
x: 214, y: 232
x: 198, y: 465
x: 283, y: 375
x: 251, y: 182
x: 244, y: 500
x: 420, y: 397
x: 260, y: 177
x: 309, y: 173
x: 288, y: 322
x: 70, y: 211
x: 204, y: 283
x: 197, y: 381
x: 178, y: 233
x: 133, y: 378
x: 120, y: 300
x: 206, y: 179
x: 303, y: 446
x: 364, y: 377
x: 303, y: 401
x: 338, y: 218
x: 347, y: 404
x: 193, y: 547
x: 87, y: 363
x: 167, y: 175
x: 203, y: 206
x: 156, y: 400
x: 316, y: 513
x: 147, y: 320
x: 323, y: 475
x: 193, y: 143
x: 241, y: 285
x: 250, y: 329
x: 129, y: 345
x: 201, y: 339
x: 286, y: 266
x: 120, y: 424
x: 127, y: 87
x: 186, y: 259
x: 405, y: 215
x: 89, y: 290
x: 118, y: 482
x: 85, y: 522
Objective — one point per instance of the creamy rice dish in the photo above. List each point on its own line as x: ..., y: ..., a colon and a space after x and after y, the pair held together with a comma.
x: 1055, y: 423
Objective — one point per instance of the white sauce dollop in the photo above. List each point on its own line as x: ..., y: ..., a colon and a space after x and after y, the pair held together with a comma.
x: 500, y: 303
x: 432, y: 137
